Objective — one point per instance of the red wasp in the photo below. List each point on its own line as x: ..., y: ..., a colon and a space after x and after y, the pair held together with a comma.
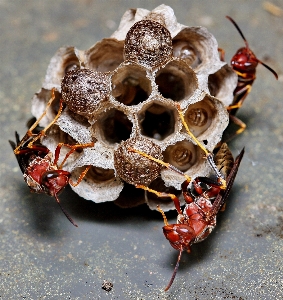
x: 244, y: 63
x: 208, y: 197
x: 41, y: 173
x: 198, y: 218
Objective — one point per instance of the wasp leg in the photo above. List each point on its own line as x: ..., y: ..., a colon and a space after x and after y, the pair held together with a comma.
x: 73, y: 149
x: 174, y: 198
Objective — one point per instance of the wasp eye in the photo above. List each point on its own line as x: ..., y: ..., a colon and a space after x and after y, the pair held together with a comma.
x: 49, y: 175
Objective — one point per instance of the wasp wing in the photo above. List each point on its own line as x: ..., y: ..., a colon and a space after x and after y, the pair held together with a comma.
x: 222, y: 196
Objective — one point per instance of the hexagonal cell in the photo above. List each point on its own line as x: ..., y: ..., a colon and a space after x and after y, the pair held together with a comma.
x: 200, y: 115
x: 157, y: 121
x: 222, y: 84
x: 105, y: 55
x: 114, y: 126
x: 130, y: 85
x: 197, y: 47
x: 176, y: 80
x: 183, y: 155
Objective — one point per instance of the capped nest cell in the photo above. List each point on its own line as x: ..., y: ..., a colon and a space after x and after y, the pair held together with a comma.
x: 122, y: 93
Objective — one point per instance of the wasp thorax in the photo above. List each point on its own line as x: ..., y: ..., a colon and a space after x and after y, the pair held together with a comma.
x: 83, y: 90
x: 148, y: 43
x: 132, y: 167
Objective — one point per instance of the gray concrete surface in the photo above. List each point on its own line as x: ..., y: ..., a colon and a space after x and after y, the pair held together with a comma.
x: 42, y: 256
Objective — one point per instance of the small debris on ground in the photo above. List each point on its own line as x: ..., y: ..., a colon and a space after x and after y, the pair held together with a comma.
x: 107, y: 285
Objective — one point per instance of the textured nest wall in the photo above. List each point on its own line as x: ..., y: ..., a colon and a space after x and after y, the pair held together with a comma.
x: 122, y: 93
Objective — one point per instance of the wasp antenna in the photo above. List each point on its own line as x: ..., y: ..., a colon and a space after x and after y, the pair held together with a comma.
x: 163, y: 215
x: 239, y: 30
x: 175, y: 271
x: 65, y: 213
x: 268, y: 68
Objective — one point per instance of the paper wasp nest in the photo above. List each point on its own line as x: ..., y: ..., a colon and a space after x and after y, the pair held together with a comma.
x: 122, y: 93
